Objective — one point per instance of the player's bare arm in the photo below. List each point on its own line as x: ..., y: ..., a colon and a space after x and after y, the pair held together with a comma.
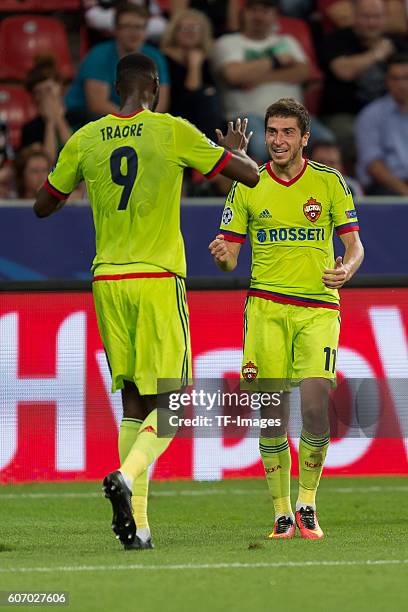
x: 347, y: 266
x: 225, y: 253
x: 46, y: 203
x: 240, y: 167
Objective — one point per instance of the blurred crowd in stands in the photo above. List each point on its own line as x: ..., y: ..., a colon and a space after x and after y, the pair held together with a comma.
x: 347, y: 60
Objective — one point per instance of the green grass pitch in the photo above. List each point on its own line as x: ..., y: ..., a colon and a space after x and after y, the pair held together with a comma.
x: 211, y: 553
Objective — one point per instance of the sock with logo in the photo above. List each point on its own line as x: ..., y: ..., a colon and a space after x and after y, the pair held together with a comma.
x: 312, y: 454
x: 276, y: 459
x: 128, y: 432
x: 146, y: 448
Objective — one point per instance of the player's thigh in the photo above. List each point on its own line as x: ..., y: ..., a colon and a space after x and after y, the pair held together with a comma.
x: 162, y: 342
x: 315, y: 343
x: 112, y: 316
x: 112, y: 313
x: 267, y: 340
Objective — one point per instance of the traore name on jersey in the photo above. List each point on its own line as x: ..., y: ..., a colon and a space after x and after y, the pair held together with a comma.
x: 133, y: 169
x: 121, y: 131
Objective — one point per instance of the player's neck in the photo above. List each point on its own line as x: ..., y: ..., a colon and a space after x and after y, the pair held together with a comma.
x: 133, y: 105
x: 289, y: 171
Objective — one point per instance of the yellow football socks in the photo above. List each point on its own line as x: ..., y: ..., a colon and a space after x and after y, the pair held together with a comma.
x: 312, y: 454
x: 128, y: 432
x: 146, y: 448
x: 276, y: 458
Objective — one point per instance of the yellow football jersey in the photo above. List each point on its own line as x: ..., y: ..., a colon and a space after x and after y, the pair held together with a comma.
x: 133, y: 169
x: 290, y: 226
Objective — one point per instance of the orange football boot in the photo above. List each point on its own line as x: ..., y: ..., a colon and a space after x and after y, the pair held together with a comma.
x: 308, y: 524
x: 284, y: 528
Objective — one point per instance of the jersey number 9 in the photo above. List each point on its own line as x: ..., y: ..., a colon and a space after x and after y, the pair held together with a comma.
x: 128, y: 179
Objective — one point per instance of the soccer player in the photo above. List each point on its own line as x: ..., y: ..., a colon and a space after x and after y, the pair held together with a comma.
x: 292, y: 318
x: 132, y: 163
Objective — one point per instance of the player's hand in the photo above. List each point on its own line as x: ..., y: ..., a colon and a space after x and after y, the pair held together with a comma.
x: 236, y: 137
x: 219, y: 249
x: 335, y: 278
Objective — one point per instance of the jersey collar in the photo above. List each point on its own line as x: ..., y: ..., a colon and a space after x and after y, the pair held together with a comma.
x: 281, y: 181
x: 127, y: 116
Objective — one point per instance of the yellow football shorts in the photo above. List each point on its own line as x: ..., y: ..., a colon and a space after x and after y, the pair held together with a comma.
x: 144, y: 326
x: 288, y: 343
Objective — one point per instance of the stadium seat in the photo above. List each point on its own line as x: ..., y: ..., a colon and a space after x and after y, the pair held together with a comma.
x: 56, y: 5
x: 24, y: 37
x: 314, y: 87
x: 299, y: 30
x: 42, y: 6
x: 18, y: 6
x: 16, y: 107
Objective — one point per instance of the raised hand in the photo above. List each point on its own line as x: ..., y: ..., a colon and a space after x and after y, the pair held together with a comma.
x: 236, y: 137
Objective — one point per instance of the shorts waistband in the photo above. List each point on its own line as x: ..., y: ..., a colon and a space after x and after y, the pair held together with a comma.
x: 104, y: 277
x: 292, y: 300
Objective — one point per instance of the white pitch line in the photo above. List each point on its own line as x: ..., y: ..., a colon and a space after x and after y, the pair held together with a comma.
x: 202, y: 566
x: 197, y: 493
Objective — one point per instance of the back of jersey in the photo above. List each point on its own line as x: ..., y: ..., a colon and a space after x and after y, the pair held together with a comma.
x: 133, y: 169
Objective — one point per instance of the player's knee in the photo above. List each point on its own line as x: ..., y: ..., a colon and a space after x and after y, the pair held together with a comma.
x: 315, y: 418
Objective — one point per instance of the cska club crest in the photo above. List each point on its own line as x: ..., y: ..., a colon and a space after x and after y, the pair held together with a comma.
x: 312, y: 209
x: 249, y: 371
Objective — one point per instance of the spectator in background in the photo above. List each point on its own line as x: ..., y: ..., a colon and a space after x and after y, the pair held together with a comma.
x: 187, y: 44
x: 335, y: 14
x: 340, y: 14
x: 382, y: 135
x: 100, y: 18
x: 223, y: 14
x: 329, y: 154
x: 299, y: 9
x: 51, y: 128
x: 94, y: 86
x: 31, y: 170
x: 6, y: 182
x: 258, y: 67
x: 6, y: 155
x: 355, y: 63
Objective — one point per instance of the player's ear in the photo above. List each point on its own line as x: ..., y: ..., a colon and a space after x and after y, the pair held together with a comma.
x: 305, y: 139
x: 156, y: 93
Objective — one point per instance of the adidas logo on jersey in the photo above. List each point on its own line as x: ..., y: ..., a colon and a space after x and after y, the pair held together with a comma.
x: 265, y: 214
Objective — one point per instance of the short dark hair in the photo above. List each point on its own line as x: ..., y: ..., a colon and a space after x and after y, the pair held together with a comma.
x: 397, y: 59
x: 289, y: 107
x: 127, y: 7
x: 134, y: 68
x: 44, y: 68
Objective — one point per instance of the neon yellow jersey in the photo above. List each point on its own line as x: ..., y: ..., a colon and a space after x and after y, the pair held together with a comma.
x: 290, y: 226
x: 133, y: 169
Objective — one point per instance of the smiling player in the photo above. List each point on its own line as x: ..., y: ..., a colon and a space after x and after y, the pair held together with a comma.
x: 292, y: 320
